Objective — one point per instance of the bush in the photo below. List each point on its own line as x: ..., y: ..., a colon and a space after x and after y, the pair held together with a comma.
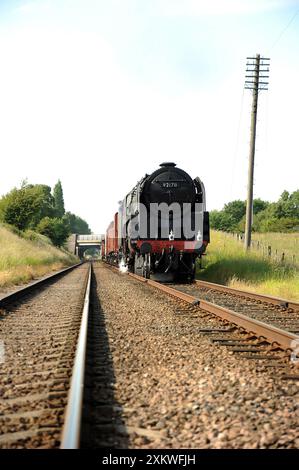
x: 36, y: 237
x: 280, y: 216
x: 25, y: 207
x: 55, y: 229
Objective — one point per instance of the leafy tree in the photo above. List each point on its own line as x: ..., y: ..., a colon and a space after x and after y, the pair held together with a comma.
x: 285, y: 196
x: 220, y: 220
x: 42, y: 202
x: 259, y: 211
x: 25, y: 207
x: 236, y: 210
x: 16, y: 208
x: 287, y: 205
x: 58, y: 200
x: 280, y: 216
x: 228, y: 218
x: 273, y: 224
x: 55, y: 229
x: 259, y: 205
x: 34, y: 207
x: 76, y: 224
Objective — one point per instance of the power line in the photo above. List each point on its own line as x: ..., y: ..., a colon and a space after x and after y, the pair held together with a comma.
x: 284, y: 30
x: 237, y: 146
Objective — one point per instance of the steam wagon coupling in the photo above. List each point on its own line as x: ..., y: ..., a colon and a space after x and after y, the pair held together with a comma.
x: 161, y: 226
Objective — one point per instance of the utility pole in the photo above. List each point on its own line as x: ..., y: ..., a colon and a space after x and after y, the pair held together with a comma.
x: 256, y: 67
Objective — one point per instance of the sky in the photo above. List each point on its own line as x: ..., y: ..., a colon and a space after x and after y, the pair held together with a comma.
x: 97, y: 93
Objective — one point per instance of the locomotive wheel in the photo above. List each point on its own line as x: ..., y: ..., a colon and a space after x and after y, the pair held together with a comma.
x: 139, y: 265
x: 147, y: 266
x: 142, y: 265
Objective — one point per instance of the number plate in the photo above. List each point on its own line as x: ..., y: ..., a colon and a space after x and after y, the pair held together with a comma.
x: 170, y: 184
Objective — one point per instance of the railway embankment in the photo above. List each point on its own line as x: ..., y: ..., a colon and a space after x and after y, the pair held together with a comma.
x: 27, y: 257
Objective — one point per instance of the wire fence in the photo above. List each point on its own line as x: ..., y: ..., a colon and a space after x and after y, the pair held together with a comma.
x: 286, y: 255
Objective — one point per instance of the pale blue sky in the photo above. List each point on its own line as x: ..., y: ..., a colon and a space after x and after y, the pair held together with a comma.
x: 97, y: 93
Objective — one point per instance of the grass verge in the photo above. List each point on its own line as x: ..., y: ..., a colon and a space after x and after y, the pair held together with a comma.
x: 25, y: 257
x: 227, y: 263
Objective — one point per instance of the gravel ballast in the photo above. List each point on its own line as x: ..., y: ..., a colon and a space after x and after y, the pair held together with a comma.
x: 279, y: 316
x: 170, y: 387
x: 38, y: 337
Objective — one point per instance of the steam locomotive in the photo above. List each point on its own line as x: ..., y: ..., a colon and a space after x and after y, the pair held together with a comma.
x: 161, y: 226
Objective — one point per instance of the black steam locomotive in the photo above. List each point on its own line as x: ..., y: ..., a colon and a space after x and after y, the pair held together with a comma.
x: 162, y: 226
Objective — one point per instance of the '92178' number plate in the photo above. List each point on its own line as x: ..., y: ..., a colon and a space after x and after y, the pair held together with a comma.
x: 170, y: 184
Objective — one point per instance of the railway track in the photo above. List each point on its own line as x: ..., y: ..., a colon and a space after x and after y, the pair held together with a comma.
x: 281, y: 313
x: 252, y: 328
x: 38, y: 331
x: 153, y: 368
x: 165, y: 380
x: 278, y: 326
x: 249, y: 295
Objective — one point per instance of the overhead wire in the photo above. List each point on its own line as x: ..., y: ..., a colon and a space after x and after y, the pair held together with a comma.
x: 284, y: 30
x: 280, y: 35
x: 237, y: 145
x: 267, y: 104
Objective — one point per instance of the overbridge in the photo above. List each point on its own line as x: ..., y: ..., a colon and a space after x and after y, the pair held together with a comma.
x: 78, y: 244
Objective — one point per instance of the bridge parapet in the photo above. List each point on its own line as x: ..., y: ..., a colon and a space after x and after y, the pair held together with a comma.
x: 92, y: 238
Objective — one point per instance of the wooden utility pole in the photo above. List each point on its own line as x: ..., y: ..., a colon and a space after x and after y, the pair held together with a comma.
x: 255, y: 66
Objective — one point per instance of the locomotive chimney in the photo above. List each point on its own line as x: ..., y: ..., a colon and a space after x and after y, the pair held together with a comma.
x: 170, y: 164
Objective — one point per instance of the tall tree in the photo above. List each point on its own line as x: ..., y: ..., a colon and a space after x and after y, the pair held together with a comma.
x: 236, y: 210
x: 76, y: 224
x: 58, y: 200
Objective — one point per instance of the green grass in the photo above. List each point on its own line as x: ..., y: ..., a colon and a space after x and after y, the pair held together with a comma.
x: 28, y: 256
x: 227, y: 263
x: 287, y: 243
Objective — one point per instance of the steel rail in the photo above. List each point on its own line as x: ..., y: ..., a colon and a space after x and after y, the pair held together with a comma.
x: 72, y: 424
x: 272, y: 334
x: 250, y: 295
x: 17, y: 294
